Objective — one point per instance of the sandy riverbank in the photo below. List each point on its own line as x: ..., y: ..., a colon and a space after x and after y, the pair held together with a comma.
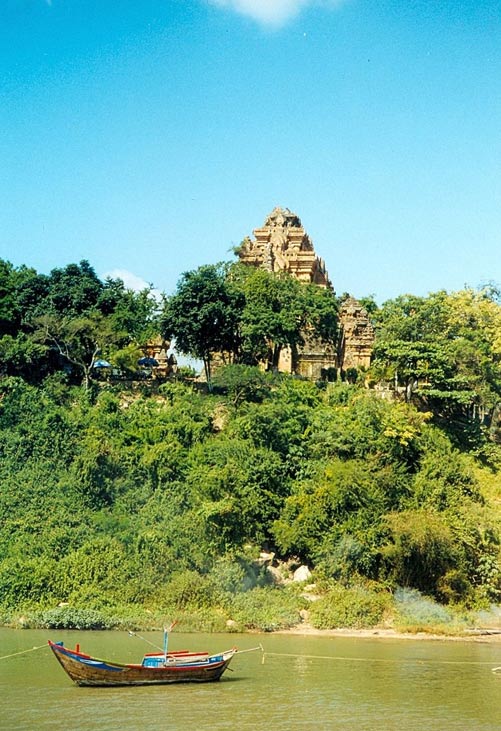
x: 478, y: 635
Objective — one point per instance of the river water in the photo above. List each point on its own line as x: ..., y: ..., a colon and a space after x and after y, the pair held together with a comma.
x: 301, y: 683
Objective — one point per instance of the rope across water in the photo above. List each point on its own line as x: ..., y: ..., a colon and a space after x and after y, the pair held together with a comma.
x: 23, y: 652
x: 379, y: 659
x: 338, y: 658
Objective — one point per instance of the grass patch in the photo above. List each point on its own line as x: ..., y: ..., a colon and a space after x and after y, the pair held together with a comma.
x: 417, y: 613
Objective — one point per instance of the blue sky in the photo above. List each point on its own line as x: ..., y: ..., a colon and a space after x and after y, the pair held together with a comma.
x: 151, y: 136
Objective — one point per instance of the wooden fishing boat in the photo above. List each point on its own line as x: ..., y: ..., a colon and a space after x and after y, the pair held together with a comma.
x: 156, y: 668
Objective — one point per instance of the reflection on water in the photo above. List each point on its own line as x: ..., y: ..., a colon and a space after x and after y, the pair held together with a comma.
x: 305, y: 683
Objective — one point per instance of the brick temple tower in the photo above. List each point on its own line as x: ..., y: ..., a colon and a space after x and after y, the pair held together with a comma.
x: 282, y: 244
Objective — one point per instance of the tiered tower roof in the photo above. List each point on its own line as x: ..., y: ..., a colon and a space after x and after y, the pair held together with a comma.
x: 282, y: 244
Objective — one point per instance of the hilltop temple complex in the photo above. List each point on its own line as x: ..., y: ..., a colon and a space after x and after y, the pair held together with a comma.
x: 282, y: 244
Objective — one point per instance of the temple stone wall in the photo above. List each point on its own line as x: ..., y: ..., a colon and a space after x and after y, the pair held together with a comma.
x: 356, y: 336
x: 313, y: 363
x: 282, y: 244
x: 157, y: 349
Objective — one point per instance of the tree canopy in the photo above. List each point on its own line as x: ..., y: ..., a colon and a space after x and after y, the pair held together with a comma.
x: 246, y: 315
x: 444, y: 350
x: 65, y: 320
x: 202, y: 316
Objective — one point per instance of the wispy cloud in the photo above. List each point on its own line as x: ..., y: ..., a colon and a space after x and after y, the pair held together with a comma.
x: 132, y: 281
x: 271, y: 12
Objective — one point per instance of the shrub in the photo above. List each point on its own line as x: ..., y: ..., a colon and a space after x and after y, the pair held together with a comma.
x: 72, y: 618
x: 205, y: 619
x: 24, y: 581
x: 186, y: 589
x: 420, y: 549
x: 415, y: 612
x: 265, y: 609
x: 354, y: 607
x: 454, y: 587
x: 348, y: 556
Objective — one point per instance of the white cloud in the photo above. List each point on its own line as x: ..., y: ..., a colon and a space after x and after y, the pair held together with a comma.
x: 132, y: 281
x: 271, y: 12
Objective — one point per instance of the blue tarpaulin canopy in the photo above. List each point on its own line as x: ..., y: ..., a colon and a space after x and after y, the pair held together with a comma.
x: 102, y: 364
x: 151, y: 362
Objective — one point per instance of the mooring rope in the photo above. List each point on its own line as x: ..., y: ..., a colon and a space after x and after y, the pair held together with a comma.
x: 251, y: 649
x: 381, y: 659
x: 310, y: 657
x: 134, y: 634
x: 23, y: 652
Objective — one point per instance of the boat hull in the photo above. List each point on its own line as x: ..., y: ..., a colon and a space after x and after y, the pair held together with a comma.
x: 88, y: 671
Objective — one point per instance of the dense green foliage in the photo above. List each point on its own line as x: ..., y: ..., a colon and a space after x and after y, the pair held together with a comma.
x: 245, y: 315
x: 65, y: 321
x: 444, y: 351
x: 129, y: 499
x: 119, y: 504
x: 355, y: 607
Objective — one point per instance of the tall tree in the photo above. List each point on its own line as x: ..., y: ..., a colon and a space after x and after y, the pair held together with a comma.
x: 444, y: 348
x: 274, y: 316
x: 67, y: 318
x: 78, y: 340
x: 12, y: 280
x: 280, y: 312
x: 248, y: 313
x: 203, y: 315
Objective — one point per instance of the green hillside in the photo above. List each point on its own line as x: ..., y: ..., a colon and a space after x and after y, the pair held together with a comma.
x: 127, y: 501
